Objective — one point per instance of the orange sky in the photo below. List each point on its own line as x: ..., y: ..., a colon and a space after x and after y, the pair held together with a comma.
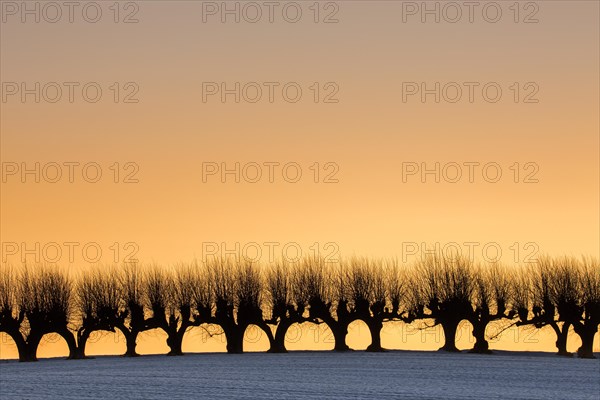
x: 170, y: 215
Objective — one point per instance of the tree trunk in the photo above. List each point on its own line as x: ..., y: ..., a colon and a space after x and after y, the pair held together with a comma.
x: 131, y: 342
x: 561, y: 339
x: 586, y: 333
x: 235, y: 339
x: 481, y: 344
x: 17, y: 337
x: 267, y: 330
x: 278, y: 345
x: 82, y: 337
x: 449, y: 327
x: 339, y: 334
x: 375, y: 327
x: 32, y: 343
x: 71, y: 343
x: 175, y: 341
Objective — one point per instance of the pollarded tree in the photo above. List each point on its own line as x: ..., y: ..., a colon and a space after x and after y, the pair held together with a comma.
x: 159, y: 294
x: 327, y: 293
x: 44, y: 295
x: 521, y: 294
x: 397, y: 282
x: 575, y: 292
x: 169, y: 298
x: 491, y: 301
x: 444, y: 289
x: 99, y: 303
x: 11, y: 317
x: 370, y: 285
x: 339, y: 295
x: 287, y: 298
x: 587, y: 324
x: 238, y: 301
x: 543, y: 303
x: 224, y: 281
x: 566, y: 295
x: 131, y: 286
x: 250, y: 299
x: 365, y: 286
x: 203, y: 293
x: 181, y: 315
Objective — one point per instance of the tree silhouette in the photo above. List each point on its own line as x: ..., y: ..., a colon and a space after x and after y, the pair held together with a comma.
x: 238, y: 294
x: 326, y: 292
x: 44, y: 295
x: 11, y: 316
x: 556, y: 292
x: 376, y: 290
x: 586, y: 326
x: 99, y: 304
x: 491, y: 300
x: 540, y: 282
x: 159, y: 290
x: 565, y: 295
x: 287, y: 299
x: 181, y: 315
x: 203, y: 294
x: 444, y: 289
x: 131, y: 286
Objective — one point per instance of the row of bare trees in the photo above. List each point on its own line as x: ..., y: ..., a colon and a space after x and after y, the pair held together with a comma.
x: 556, y: 292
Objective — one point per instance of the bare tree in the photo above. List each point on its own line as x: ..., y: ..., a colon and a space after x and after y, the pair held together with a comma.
x: 566, y: 296
x: 11, y: 317
x: 222, y: 275
x: 522, y: 294
x: 159, y: 294
x: 589, y: 318
x: 286, y: 299
x: 574, y: 295
x: 543, y: 305
x: 44, y: 295
x: 99, y: 304
x: 203, y: 293
x: 251, y: 298
x: 372, y: 286
x: 238, y: 291
x: 555, y: 292
x: 181, y: 316
x: 131, y: 286
x: 442, y: 290
x: 491, y: 300
x: 327, y: 293
x: 397, y: 280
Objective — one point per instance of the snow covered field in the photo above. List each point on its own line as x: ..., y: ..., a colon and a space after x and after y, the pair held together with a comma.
x: 312, y: 375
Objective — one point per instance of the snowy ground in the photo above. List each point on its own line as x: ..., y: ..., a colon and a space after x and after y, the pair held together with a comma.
x: 312, y: 375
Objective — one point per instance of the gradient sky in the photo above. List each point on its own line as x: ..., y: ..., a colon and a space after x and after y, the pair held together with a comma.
x: 368, y: 134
